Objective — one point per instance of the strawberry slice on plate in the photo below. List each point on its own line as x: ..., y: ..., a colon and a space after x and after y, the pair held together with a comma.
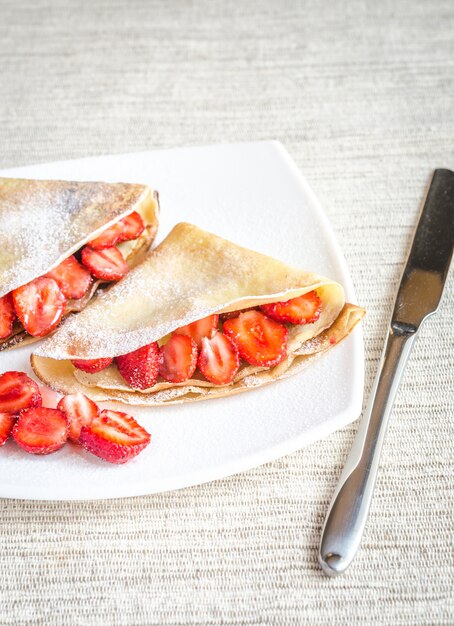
x: 39, y: 305
x: 7, y: 421
x: 106, y: 264
x: 219, y: 359
x: 260, y: 340
x: 17, y: 392
x: 305, y: 309
x: 91, y: 366
x: 40, y: 431
x: 73, y: 278
x: 79, y: 411
x: 199, y: 329
x: 140, y: 368
x: 114, y: 436
x: 130, y: 227
x: 7, y: 315
x: 178, y: 359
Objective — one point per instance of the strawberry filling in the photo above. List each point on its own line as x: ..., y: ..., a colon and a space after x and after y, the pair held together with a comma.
x: 105, y: 264
x: 219, y: 360
x: 7, y: 315
x: 72, y: 278
x: 302, y: 310
x: 91, y: 366
x: 40, y: 304
x: 130, y: 227
x: 217, y: 345
x: 260, y: 340
x: 199, y: 329
x: 140, y: 368
x: 178, y: 358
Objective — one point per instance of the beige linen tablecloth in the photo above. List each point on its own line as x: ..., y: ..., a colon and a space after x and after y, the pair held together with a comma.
x: 362, y: 95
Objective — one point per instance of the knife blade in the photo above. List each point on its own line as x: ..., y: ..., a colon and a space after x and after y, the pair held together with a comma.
x: 430, y: 255
x: 418, y: 297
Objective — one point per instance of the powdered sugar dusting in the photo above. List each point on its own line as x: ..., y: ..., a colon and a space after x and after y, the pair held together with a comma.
x: 43, y: 222
x: 192, y: 274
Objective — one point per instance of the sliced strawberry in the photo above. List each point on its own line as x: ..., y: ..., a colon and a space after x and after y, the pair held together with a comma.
x: 74, y: 279
x: 7, y: 421
x: 79, y: 411
x: 199, y: 329
x: 140, y: 368
x: 305, y: 309
x: 41, y: 431
x: 18, y: 392
x: 178, y: 359
x: 106, y: 264
x: 260, y: 340
x: 219, y: 359
x: 133, y: 226
x: 39, y: 305
x: 91, y: 366
x: 108, y: 238
x: 115, y: 437
x: 7, y: 315
x: 130, y: 227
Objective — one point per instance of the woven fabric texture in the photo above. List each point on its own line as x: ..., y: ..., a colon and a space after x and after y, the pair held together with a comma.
x: 361, y: 94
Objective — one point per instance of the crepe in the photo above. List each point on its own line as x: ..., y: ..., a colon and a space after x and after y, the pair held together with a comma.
x: 43, y: 222
x: 190, y: 275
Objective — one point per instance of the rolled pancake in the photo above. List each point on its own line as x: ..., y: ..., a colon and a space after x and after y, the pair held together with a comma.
x: 43, y: 222
x: 190, y: 275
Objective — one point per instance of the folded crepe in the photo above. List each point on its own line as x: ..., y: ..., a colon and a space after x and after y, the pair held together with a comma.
x: 43, y: 222
x: 190, y: 275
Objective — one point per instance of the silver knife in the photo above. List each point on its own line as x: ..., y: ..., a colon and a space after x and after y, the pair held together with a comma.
x: 418, y: 297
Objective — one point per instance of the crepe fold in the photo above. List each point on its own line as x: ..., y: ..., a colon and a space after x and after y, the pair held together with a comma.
x: 43, y: 222
x: 190, y: 275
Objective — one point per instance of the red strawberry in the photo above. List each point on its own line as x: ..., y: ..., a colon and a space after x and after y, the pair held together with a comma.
x: 115, y: 437
x: 130, y: 227
x: 108, y: 238
x: 39, y: 305
x: 106, y: 264
x: 74, y: 279
x: 40, y: 431
x: 199, y: 329
x: 133, y: 226
x: 6, y: 315
x: 140, y: 368
x: 260, y: 340
x: 7, y: 421
x: 219, y: 359
x: 79, y: 411
x: 91, y: 366
x: 305, y: 309
x: 178, y: 359
x: 18, y: 392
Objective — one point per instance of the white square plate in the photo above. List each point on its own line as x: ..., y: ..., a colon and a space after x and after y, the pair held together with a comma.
x: 253, y: 194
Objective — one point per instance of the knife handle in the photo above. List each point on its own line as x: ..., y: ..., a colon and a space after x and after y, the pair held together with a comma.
x: 350, y: 505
